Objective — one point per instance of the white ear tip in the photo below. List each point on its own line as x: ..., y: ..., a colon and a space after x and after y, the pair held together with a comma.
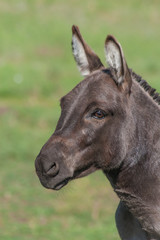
x: 114, y: 58
x: 80, y: 56
x: 113, y: 55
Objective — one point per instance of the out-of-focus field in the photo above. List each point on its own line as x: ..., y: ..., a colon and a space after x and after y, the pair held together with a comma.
x: 36, y: 69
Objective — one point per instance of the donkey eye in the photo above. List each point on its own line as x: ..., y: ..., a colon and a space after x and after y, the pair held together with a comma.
x: 98, y: 114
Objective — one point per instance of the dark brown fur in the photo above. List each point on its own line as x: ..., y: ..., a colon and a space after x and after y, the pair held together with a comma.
x: 109, y: 121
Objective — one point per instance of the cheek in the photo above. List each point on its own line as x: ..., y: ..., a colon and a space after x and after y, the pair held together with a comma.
x: 92, y: 133
x: 87, y: 137
x: 91, y: 148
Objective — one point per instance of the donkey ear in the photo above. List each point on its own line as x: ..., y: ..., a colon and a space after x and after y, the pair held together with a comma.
x: 87, y: 61
x: 117, y: 63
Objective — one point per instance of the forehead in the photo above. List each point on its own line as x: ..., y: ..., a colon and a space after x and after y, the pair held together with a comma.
x: 98, y: 86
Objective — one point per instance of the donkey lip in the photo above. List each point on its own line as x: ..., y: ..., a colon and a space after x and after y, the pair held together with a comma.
x: 61, y: 184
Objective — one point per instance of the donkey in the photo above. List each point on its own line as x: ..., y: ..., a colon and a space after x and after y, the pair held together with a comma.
x: 109, y: 121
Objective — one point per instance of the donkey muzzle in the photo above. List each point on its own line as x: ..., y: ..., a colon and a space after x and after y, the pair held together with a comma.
x: 51, y: 168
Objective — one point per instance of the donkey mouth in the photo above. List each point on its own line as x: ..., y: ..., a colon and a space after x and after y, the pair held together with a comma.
x: 58, y: 186
x: 53, y: 183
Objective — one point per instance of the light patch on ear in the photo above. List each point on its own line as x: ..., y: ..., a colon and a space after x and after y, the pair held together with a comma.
x: 80, y: 56
x: 114, y: 60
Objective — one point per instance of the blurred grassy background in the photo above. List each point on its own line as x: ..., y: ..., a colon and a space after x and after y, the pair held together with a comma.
x: 36, y: 69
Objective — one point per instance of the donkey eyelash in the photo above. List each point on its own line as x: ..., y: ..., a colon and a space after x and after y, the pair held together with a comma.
x: 99, y: 114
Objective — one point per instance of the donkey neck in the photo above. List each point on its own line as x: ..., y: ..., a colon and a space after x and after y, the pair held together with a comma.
x: 145, y: 117
x: 141, y: 165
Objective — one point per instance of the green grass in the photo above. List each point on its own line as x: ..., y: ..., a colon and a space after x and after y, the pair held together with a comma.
x: 36, y: 69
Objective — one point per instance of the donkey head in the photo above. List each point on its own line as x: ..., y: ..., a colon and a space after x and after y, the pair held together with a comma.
x: 90, y: 132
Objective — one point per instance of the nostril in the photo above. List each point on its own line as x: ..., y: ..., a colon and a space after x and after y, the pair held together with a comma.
x: 53, y: 166
x: 53, y: 170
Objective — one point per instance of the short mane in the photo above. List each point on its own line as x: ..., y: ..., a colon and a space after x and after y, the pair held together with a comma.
x: 151, y: 91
